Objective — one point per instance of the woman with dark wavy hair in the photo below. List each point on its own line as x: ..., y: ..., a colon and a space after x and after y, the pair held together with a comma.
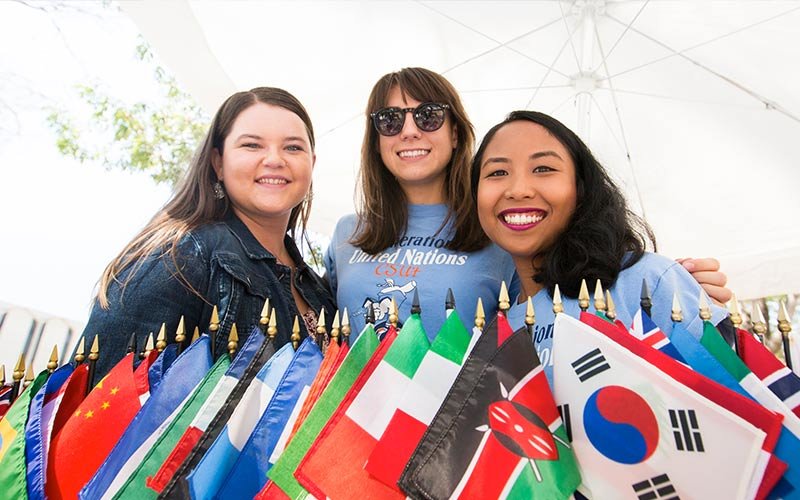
x: 543, y: 197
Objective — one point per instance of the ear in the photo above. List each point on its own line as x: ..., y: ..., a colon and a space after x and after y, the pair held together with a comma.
x: 455, y: 137
x: 313, y: 160
x: 216, y: 162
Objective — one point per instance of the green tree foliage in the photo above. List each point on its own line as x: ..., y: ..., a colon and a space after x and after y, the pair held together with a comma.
x: 159, y: 139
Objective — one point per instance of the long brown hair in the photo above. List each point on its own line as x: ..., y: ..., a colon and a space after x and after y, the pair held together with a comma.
x: 193, y: 202
x: 382, y: 204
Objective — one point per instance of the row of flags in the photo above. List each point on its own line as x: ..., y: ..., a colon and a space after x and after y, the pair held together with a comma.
x: 633, y: 413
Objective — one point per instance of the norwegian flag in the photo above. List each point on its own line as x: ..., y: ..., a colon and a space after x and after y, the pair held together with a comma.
x: 782, y: 381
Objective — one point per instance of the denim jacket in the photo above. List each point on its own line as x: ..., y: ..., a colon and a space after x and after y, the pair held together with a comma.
x: 225, y: 266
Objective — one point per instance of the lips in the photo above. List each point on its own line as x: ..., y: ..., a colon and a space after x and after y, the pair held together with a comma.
x: 413, y: 154
x: 272, y: 180
x: 520, y: 219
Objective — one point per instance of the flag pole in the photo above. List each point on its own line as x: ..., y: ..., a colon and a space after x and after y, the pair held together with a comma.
x: 16, y: 376
x: 80, y: 351
x: 295, y: 337
x: 480, y: 315
x: 131, y: 344
x: 195, y: 334
x: 263, y: 321
x: 611, y: 308
x: 558, y: 306
x: 503, y: 302
x: 583, y: 296
x: 321, y: 330
x: 148, y: 346
x: 272, y: 326
x: 233, y: 341
x: 345, y: 327
x: 2, y: 375
x: 599, y: 298
x: 393, y: 317
x: 52, y: 363
x: 94, y: 354
x: 161, y: 340
x: 180, y: 334
x: 369, y: 316
x: 335, y: 325
x: 759, y: 324
x: 213, y: 327
x: 28, y: 377
x: 530, y: 317
x: 736, y: 319
x: 677, y: 313
x: 645, y: 302
x: 450, y: 300
x: 785, y: 327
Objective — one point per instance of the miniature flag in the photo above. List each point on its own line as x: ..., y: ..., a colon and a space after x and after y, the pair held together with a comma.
x: 782, y: 381
x: 37, y: 432
x: 362, y: 418
x: 70, y: 397
x: 5, y: 400
x: 191, y: 436
x: 87, y: 437
x: 633, y: 426
x: 249, y: 473
x: 282, y: 473
x: 135, y: 486
x: 180, y: 379
x: 498, y: 433
x: 644, y: 329
x: 206, y: 479
x: 422, y: 399
x: 12, y: 442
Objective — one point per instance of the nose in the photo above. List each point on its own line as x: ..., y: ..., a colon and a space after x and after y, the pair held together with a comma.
x: 410, y: 129
x: 273, y: 159
x: 519, y: 190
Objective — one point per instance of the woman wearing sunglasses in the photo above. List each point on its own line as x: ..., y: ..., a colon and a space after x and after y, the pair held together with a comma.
x: 416, y: 229
x: 543, y: 197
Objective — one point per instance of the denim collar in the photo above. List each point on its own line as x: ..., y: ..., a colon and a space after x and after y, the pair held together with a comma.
x: 256, y: 250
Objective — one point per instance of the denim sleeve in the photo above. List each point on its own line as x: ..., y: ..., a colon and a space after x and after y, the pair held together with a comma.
x: 159, y: 291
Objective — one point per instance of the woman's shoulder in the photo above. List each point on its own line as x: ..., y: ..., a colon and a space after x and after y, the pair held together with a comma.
x: 651, y: 264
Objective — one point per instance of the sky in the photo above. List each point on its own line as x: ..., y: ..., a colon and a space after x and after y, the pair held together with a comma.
x: 61, y: 221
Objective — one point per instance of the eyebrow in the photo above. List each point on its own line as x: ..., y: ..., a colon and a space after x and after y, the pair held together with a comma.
x: 534, y: 156
x: 258, y: 137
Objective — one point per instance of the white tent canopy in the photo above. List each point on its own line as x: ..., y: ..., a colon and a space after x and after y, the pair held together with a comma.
x: 692, y: 105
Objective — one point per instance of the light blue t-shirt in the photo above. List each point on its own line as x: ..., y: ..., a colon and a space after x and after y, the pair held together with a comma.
x: 664, y: 277
x: 419, y: 262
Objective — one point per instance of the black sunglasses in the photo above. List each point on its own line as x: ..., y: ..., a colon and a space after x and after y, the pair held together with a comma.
x: 428, y: 116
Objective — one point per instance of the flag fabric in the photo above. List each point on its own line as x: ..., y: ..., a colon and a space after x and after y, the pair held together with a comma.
x: 5, y: 400
x: 498, y: 433
x: 362, y: 418
x: 788, y: 445
x: 282, y: 473
x: 178, y: 486
x: 636, y: 429
x: 422, y: 399
x: 175, y: 386
x: 159, y: 367
x: 206, y: 479
x: 12, y: 442
x: 37, y: 432
x: 71, y: 395
x: 207, y: 412
x: 782, y: 381
x: 135, y: 487
x: 84, y: 441
x: 249, y: 473
x: 648, y: 332
x: 770, y: 468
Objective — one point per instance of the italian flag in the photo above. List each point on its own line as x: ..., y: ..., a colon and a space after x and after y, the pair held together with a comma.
x: 361, y: 419
x: 424, y: 395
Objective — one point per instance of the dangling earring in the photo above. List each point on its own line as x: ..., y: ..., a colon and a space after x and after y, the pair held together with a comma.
x: 219, y: 191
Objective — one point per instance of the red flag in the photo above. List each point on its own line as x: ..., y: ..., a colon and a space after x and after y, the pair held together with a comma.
x: 91, y: 431
x: 782, y: 381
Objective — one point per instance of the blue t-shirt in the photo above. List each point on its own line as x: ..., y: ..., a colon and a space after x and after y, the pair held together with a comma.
x: 419, y: 262
x: 664, y: 277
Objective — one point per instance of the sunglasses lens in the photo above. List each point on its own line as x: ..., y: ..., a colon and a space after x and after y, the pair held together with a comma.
x: 388, y: 121
x: 429, y: 117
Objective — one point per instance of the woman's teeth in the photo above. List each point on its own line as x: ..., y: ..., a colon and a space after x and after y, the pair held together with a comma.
x: 414, y: 153
x: 522, y: 219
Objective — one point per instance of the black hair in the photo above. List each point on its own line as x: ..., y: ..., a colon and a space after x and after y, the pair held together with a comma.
x: 601, y: 231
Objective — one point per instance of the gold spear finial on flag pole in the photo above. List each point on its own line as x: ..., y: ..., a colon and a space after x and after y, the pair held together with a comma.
x: 644, y: 298
x: 677, y: 314
x: 28, y: 376
x: 52, y: 363
x: 195, y: 334
x: 180, y: 334
x: 94, y: 355
x: 735, y: 312
x: 148, y: 346
x: 213, y: 328
x: 611, y: 308
x: 233, y: 340
x: 272, y: 327
x: 345, y: 327
x: 393, y: 317
x: 504, y: 303
x: 530, y: 316
x: 583, y: 296
x: 2, y: 375
x: 415, y: 307
x: 80, y: 352
x: 558, y: 306
x: 322, y: 331
x: 335, y: 325
x: 295, y: 337
x: 16, y: 377
x: 480, y: 316
x: 785, y: 327
x: 599, y: 298
x: 131, y: 344
x: 161, y: 340
x: 450, y: 300
x: 759, y: 323
x: 705, y: 310
x: 263, y: 321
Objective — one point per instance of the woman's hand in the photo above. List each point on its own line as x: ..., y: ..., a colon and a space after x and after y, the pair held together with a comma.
x: 706, y: 272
